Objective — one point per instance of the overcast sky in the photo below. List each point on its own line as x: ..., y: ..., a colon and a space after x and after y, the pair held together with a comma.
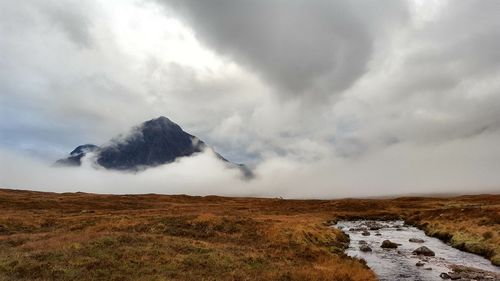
x: 322, y: 98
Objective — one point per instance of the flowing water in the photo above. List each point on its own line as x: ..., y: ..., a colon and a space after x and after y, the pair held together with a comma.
x: 400, y: 263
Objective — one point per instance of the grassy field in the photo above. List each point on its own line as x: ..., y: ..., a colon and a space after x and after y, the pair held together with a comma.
x: 77, y: 236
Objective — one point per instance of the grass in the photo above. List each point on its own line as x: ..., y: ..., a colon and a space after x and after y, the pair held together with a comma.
x: 48, y: 236
x: 469, y: 225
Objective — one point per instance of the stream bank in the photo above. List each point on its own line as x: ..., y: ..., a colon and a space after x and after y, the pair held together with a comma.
x: 397, y: 260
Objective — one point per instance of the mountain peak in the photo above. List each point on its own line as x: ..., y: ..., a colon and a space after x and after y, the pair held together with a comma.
x: 75, y: 156
x: 82, y: 149
x: 160, y: 124
x: 154, y: 142
x: 162, y: 120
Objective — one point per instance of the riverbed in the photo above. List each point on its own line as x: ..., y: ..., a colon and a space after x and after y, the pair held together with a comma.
x: 400, y: 263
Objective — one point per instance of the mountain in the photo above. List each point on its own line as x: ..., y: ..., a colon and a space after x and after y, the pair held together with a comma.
x: 155, y: 142
x: 75, y: 156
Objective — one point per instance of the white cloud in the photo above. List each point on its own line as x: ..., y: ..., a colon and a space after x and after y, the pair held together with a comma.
x: 324, y: 99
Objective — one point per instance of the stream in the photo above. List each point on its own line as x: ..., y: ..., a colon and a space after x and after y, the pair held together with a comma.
x: 400, y: 263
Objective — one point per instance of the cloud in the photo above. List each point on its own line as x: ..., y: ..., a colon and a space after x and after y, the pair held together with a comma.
x: 315, y: 48
x: 346, y: 98
x: 407, y: 170
x: 73, y: 19
x: 434, y: 82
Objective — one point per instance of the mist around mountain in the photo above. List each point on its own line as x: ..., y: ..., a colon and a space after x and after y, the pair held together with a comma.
x: 155, y: 142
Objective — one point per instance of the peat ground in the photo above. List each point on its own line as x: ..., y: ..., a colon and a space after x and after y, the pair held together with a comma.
x: 68, y: 236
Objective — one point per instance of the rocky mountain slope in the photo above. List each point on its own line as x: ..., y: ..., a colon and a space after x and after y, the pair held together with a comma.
x: 155, y: 142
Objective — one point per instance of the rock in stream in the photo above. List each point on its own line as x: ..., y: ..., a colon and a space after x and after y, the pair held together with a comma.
x: 399, y: 262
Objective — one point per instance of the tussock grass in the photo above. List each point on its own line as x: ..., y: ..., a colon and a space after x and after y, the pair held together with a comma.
x: 470, y: 227
x: 77, y: 236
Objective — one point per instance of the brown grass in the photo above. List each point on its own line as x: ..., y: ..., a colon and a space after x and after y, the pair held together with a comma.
x: 48, y: 236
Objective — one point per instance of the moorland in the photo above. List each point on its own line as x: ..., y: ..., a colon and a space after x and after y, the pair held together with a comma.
x: 81, y: 236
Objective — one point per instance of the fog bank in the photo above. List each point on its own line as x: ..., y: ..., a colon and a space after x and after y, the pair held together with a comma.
x: 463, y: 166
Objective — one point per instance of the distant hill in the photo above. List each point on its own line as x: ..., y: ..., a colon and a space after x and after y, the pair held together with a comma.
x: 155, y: 142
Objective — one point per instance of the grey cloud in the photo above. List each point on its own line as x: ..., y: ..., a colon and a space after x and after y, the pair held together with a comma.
x: 318, y: 47
x: 73, y: 18
x: 399, y: 170
x: 433, y: 83
x: 457, y: 46
x: 412, y: 100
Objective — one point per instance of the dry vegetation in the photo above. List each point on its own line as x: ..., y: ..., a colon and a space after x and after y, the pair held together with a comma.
x: 471, y: 224
x: 47, y: 236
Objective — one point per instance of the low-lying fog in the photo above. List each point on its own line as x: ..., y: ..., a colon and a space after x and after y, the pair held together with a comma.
x: 397, y: 170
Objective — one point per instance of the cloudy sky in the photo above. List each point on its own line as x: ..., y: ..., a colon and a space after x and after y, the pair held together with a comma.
x: 321, y: 98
